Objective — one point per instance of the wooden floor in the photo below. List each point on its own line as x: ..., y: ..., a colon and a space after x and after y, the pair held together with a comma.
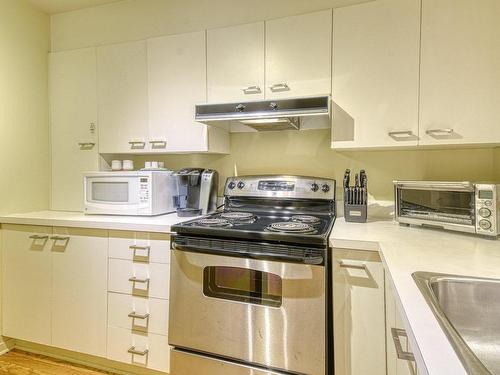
x: 17, y: 362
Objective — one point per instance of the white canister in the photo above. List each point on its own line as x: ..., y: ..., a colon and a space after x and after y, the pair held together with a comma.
x: 128, y: 165
x: 154, y: 165
x: 147, y: 165
x: 116, y: 165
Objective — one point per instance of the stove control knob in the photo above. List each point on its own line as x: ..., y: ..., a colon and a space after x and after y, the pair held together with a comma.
x: 484, y: 212
x: 231, y: 185
x: 485, y: 224
x: 241, y: 185
x: 314, y: 187
x: 325, y: 188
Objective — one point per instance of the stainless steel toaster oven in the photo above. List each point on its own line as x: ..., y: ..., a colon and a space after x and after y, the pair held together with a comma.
x: 460, y: 206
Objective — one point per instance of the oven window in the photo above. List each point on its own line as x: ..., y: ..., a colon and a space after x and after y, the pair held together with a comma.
x: 446, y: 206
x: 242, y: 285
x: 116, y: 192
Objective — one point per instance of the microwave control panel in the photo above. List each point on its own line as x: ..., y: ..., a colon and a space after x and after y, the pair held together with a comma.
x: 144, y: 190
x: 486, y: 209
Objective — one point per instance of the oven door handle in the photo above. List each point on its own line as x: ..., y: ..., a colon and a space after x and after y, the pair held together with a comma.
x: 308, y: 259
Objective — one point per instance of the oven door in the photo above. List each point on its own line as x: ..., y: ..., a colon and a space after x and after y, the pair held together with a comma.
x: 267, y: 313
x: 447, y: 205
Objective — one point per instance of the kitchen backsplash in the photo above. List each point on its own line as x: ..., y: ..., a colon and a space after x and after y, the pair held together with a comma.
x: 309, y: 153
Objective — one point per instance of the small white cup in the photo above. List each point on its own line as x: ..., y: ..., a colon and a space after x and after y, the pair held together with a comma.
x: 116, y: 165
x: 147, y: 165
x: 154, y: 164
x: 128, y: 165
x: 161, y: 164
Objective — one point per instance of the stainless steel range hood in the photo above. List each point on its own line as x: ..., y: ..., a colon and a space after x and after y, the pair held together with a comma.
x: 266, y: 115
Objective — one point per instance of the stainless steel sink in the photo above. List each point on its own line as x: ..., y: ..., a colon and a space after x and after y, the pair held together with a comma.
x: 468, y: 310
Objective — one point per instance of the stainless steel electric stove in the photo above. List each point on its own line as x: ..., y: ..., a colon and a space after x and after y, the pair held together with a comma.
x: 251, y: 284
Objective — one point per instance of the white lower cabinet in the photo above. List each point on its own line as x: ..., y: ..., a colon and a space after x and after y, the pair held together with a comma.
x: 359, y: 313
x: 26, y: 283
x: 399, y: 352
x: 136, y: 348
x: 79, y: 289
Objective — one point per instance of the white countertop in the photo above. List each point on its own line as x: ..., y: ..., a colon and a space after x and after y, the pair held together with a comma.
x: 161, y: 223
x: 405, y: 250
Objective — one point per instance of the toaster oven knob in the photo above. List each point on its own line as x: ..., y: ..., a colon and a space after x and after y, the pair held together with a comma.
x: 231, y: 185
x: 325, y: 188
x: 484, y: 212
x: 241, y: 185
x: 314, y: 187
x: 485, y: 224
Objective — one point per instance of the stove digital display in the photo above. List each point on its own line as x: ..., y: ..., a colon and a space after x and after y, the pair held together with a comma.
x: 270, y: 185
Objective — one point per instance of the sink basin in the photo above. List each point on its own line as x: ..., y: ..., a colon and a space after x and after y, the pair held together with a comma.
x: 468, y: 310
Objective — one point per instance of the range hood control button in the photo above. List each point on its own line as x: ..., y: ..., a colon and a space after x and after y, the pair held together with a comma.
x: 314, y: 187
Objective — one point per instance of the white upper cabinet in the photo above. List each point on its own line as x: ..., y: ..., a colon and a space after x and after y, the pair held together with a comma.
x: 460, y: 72
x: 298, y: 55
x: 177, y: 82
x: 235, y: 63
x: 73, y: 118
x: 376, y: 74
x: 122, y: 72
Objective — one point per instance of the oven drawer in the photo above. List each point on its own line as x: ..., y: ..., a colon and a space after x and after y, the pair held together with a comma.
x: 146, y: 350
x: 140, y: 279
x: 138, y: 313
x: 183, y: 363
x: 269, y: 313
x: 139, y: 246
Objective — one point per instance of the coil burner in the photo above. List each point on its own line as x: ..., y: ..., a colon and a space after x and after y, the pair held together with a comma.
x: 238, y: 217
x: 306, y: 219
x: 214, y: 223
x: 291, y: 227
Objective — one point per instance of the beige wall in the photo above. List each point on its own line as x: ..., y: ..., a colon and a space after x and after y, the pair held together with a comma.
x: 305, y: 152
x: 24, y: 130
x: 309, y: 153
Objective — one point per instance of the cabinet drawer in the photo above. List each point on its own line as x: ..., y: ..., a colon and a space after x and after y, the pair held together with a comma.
x: 151, y: 314
x: 151, y: 280
x: 153, y: 350
x: 140, y: 246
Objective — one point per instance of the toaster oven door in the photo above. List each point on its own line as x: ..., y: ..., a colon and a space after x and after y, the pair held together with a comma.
x: 445, y: 206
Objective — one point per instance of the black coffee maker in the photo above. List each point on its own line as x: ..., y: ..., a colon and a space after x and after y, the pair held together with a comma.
x: 197, y: 191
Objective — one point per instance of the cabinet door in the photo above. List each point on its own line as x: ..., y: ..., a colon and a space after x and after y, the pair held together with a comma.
x: 235, y: 63
x: 177, y: 82
x: 73, y: 117
x: 460, y: 72
x: 122, y: 97
x: 376, y: 74
x: 26, y: 283
x: 79, y: 290
x: 359, y: 313
x: 298, y: 55
x: 395, y: 365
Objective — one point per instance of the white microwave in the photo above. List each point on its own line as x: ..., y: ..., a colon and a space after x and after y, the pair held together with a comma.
x: 138, y: 193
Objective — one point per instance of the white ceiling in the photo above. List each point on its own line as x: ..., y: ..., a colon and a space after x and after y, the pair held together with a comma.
x: 59, y: 6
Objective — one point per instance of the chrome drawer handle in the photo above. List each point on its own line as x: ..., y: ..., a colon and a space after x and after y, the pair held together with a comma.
x: 344, y: 264
x: 39, y: 237
x: 137, y: 280
x: 86, y: 144
x: 134, y: 315
x: 133, y: 350
x: 158, y: 144
x: 402, y: 135
x: 252, y: 90
x: 137, y: 144
x: 135, y: 247
x: 279, y: 87
x: 396, y: 334
x: 59, y: 238
x: 446, y: 131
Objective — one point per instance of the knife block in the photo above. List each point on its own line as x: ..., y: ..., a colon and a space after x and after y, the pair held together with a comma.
x: 354, y: 213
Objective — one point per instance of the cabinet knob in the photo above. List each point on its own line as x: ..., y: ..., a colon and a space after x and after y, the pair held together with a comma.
x: 279, y: 87
x: 251, y: 90
x: 137, y: 144
x: 39, y: 237
x: 436, y: 133
x: 402, y: 135
x: 133, y: 350
x: 134, y: 315
x: 138, y: 280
